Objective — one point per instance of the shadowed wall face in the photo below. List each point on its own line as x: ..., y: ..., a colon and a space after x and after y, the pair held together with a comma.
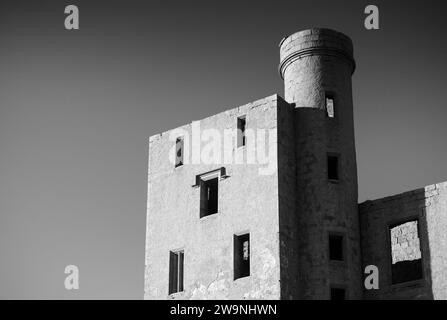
x: 404, y: 236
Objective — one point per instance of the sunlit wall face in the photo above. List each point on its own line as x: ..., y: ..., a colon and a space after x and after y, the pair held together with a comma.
x: 77, y: 108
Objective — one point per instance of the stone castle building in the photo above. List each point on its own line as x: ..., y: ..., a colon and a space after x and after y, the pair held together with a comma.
x: 220, y: 228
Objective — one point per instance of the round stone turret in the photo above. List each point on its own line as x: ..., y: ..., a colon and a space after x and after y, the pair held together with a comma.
x: 317, y: 66
x: 310, y: 57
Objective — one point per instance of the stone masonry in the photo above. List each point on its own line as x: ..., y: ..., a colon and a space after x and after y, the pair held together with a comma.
x: 260, y: 201
x: 405, y: 242
x: 407, y: 227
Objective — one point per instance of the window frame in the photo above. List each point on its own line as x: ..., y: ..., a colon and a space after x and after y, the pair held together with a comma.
x: 337, y: 156
x: 177, y: 163
x: 238, y: 242
x: 177, y: 272
x: 330, y: 95
x: 204, y: 183
x: 241, y: 138
x: 201, y: 181
x: 343, y: 246
x: 394, y: 223
x: 338, y: 287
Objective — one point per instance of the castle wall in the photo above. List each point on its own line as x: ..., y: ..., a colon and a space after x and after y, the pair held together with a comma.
x: 292, y: 211
x: 407, y: 227
x: 248, y: 202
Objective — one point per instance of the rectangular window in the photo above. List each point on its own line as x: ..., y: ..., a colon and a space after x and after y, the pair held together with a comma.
x: 406, y: 257
x: 330, y: 111
x: 338, y: 294
x: 332, y: 167
x: 336, y: 247
x: 179, y: 152
x: 241, y: 123
x: 209, y: 196
x: 176, y: 271
x: 241, y: 256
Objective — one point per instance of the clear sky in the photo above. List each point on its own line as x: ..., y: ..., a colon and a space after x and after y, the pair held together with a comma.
x: 77, y: 108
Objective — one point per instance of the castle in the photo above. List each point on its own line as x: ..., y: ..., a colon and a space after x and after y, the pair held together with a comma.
x: 272, y: 212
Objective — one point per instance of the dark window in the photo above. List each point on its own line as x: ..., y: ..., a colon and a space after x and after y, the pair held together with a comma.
x: 178, y: 152
x: 338, y: 294
x: 208, y: 196
x: 332, y: 167
x: 330, y: 106
x: 241, y: 256
x: 175, y: 271
x: 241, y: 123
x: 406, y: 257
x: 336, y: 247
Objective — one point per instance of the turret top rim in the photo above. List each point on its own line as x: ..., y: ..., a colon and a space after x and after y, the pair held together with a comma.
x: 320, y: 32
x: 315, y: 41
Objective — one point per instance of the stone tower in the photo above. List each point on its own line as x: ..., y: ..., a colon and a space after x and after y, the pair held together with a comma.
x: 228, y: 230
x: 288, y: 225
x: 317, y: 66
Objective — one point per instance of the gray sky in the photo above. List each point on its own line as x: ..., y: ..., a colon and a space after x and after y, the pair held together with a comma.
x: 77, y: 107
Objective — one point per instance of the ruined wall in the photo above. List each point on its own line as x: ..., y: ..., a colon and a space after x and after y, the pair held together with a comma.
x: 248, y: 201
x: 436, y: 217
x: 389, y: 237
x: 290, y: 212
x: 405, y: 243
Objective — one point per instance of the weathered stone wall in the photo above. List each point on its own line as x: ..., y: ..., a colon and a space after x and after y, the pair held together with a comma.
x: 315, y: 62
x: 309, y: 60
x: 288, y: 218
x: 290, y: 212
x: 248, y: 202
x: 436, y: 217
x: 380, y: 247
x: 405, y: 245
